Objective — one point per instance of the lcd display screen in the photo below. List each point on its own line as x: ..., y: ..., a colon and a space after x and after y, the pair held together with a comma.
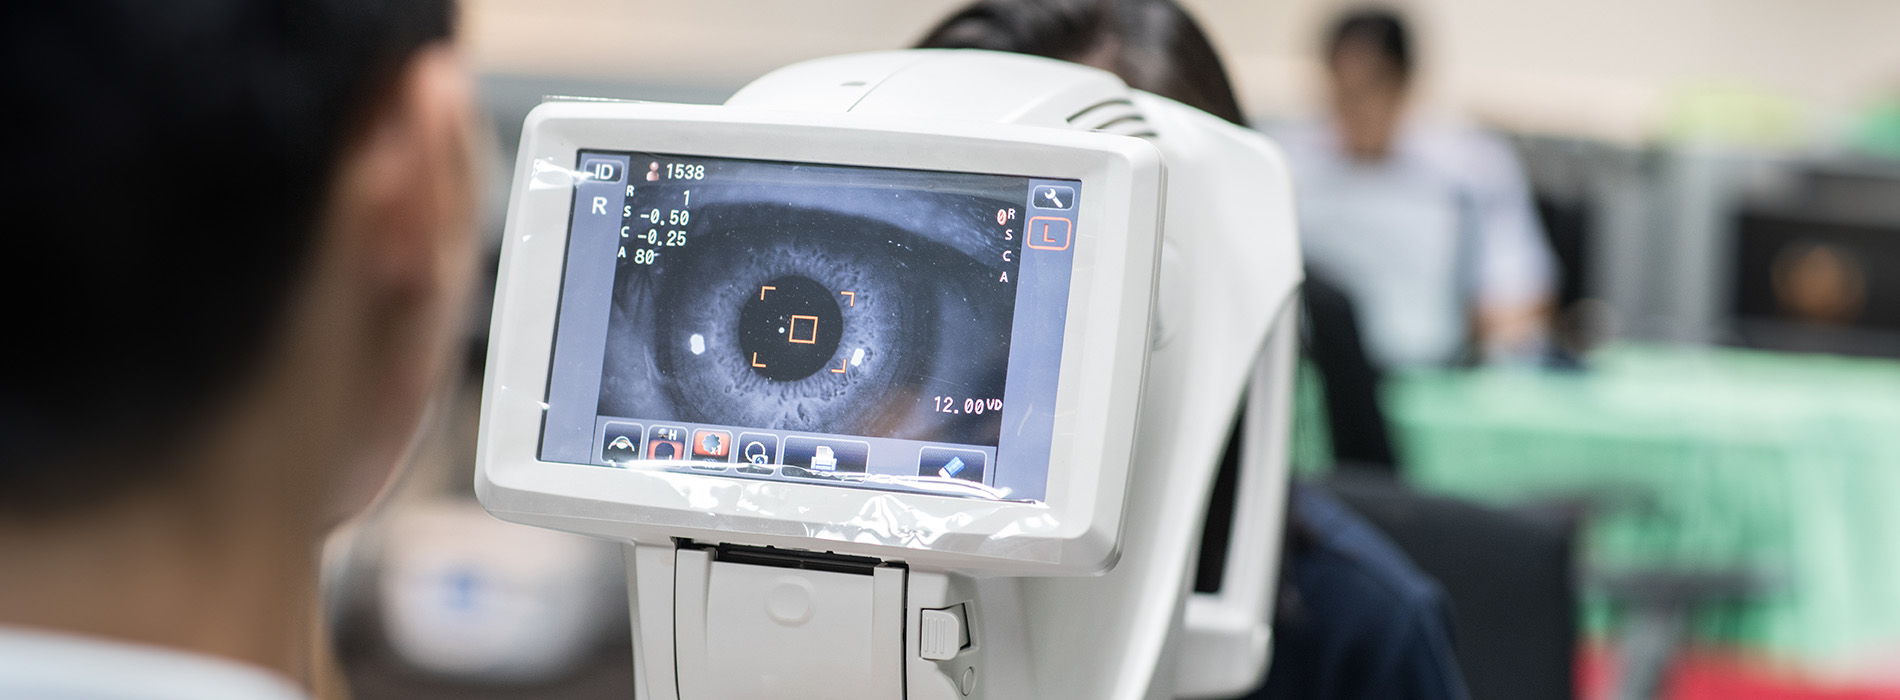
x: 859, y: 327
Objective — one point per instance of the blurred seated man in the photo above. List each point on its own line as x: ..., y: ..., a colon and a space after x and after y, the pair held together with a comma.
x: 241, y: 237
x: 1429, y: 228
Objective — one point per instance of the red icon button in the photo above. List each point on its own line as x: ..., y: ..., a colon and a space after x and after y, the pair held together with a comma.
x: 1049, y: 233
x: 666, y: 442
x: 711, y: 445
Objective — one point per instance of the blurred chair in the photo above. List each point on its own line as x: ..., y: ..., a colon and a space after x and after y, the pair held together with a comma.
x: 1658, y: 606
x: 1359, y: 432
x: 1657, y: 603
x: 1510, y: 578
x: 1356, y: 425
x: 1566, y: 223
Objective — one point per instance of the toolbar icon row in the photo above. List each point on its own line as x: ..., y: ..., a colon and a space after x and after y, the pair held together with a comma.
x: 759, y: 453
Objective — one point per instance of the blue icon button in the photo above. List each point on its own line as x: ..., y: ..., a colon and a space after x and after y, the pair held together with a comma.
x: 602, y: 170
x: 620, y: 442
x: 1055, y: 197
x: 948, y: 463
x: 757, y: 452
x: 826, y: 456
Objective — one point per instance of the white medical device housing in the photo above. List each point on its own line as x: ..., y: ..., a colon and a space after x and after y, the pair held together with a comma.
x: 699, y: 349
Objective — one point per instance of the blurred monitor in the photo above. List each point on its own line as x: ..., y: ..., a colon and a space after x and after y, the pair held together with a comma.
x: 1817, y: 281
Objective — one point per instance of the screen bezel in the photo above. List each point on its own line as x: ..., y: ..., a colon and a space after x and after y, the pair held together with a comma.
x: 1076, y: 529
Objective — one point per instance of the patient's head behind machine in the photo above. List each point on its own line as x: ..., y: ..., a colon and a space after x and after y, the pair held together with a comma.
x: 904, y: 375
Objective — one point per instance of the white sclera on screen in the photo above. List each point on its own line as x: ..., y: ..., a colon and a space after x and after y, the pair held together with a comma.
x: 854, y: 326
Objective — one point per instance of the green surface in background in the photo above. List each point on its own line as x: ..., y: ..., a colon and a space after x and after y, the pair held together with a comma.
x: 1787, y: 465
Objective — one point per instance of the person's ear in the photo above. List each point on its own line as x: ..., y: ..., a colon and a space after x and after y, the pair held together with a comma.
x: 400, y: 245
x: 411, y: 178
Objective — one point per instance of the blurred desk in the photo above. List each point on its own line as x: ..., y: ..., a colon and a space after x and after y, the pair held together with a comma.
x: 1699, y: 459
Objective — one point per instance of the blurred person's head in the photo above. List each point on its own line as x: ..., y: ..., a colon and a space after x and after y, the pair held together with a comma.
x: 1153, y: 45
x: 1369, y: 67
x: 241, y: 234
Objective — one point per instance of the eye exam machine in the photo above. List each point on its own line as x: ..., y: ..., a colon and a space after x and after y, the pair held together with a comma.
x: 905, y: 375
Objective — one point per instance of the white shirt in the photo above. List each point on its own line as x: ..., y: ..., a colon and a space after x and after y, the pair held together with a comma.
x: 1444, y: 222
x: 42, y: 665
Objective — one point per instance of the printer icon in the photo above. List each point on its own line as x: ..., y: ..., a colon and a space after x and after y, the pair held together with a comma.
x: 826, y: 455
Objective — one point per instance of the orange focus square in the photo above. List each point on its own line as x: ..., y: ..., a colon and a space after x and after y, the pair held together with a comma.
x: 792, y: 332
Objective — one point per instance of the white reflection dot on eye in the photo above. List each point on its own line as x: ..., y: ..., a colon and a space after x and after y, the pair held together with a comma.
x: 697, y: 343
x: 857, y: 356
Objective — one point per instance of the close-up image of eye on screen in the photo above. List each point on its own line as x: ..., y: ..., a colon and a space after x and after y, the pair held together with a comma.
x: 794, y: 297
x: 862, y: 326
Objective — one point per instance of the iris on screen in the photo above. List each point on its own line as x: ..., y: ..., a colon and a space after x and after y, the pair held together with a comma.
x: 801, y: 298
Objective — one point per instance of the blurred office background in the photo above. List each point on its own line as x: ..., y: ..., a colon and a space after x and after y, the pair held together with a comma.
x: 1718, y: 441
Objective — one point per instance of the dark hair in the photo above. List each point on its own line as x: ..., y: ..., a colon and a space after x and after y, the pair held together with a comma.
x: 166, y: 163
x: 1154, y: 45
x: 1378, y: 28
